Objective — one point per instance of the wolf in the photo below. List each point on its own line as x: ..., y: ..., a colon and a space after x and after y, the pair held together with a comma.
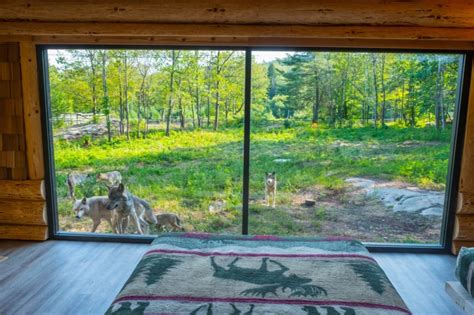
x: 96, y: 209
x: 110, y: 178
x: 168, y: 219
x: 74, y: 179
x: 270, y: 188
x: 128, y: 206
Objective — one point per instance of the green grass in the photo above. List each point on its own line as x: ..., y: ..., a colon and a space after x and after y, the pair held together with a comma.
x: 189, y: 170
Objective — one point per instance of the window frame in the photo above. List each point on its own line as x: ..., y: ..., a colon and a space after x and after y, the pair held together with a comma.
x: 454, y: 166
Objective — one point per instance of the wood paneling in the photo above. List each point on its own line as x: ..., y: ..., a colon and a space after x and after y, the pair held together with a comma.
x: 23, y: 232
x: 27, y: 212
x: 22, y: 190
x: 222, y: 30
x: 427, y: 13
x: 12, y: 151
x: 463, y: 234
x: 32, y: 110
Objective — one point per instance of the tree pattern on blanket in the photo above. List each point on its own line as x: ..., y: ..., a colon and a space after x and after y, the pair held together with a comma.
x: 126, y: 309
x: 372, y: 275
x: 329, y: 310
x: 271, y: 280
x: 153, y: 268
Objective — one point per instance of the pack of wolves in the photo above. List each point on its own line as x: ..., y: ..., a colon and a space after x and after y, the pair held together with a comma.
x: 119, y: 207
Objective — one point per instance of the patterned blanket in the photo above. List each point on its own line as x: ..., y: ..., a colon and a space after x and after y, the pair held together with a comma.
x: 192, y: 273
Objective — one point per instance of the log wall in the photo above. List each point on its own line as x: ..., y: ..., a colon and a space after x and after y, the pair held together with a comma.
x: 22, y: 202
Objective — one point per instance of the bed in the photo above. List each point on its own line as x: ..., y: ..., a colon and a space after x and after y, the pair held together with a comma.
x: 195, y: 273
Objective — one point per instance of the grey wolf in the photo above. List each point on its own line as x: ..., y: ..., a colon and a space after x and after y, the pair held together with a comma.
x: 270, y: 188
x: 110, y: 178
x: 168, y: 219
x: 96, y: 209
x: 72, y: 180
x: 129, y: 206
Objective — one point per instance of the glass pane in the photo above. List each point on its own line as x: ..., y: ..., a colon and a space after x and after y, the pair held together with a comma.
x: 167, y: 124
x: 351, y: 144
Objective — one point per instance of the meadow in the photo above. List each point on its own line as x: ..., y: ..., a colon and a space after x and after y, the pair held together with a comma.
x: 197, y: 174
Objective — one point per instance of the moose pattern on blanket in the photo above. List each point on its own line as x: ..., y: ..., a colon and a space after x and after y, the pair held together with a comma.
x: 192, y: 273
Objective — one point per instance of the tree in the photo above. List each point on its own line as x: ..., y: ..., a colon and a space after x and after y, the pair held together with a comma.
x: 105, y: 99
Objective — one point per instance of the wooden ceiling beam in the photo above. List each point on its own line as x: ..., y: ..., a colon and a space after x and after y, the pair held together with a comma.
x: 427, y: 13
x: 236, y: 31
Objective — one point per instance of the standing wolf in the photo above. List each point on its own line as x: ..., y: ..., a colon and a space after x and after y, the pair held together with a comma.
x: 72, y: 180
x: 110, y: 178
x: 96, y: 209
x: 128, y: 206
x: 168, y: 219
x: 270, y: 188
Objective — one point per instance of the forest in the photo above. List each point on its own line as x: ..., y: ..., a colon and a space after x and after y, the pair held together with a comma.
x: 171, y: 121
x: 204, y: 89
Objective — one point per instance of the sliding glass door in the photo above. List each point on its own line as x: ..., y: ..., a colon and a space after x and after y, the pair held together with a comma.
x: 317, y: 143
x: 166, y: 124
x: 353, y: 144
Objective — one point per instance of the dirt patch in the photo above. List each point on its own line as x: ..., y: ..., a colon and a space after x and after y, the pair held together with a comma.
x: 350, y: 212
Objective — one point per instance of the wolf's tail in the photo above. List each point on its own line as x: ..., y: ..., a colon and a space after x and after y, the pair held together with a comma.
x: 148, y: 211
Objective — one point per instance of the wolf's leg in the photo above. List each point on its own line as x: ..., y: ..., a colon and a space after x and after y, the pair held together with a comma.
x: 267, y: 200
x: 95, y: 225
x: 133, y: 213
x: 124, y: 224
x: 176, y: 226
x: 274, y: 199
x: 111, y: 224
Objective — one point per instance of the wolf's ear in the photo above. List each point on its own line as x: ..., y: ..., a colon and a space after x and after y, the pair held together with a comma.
x: 273, y: 173
x: 121, y: 188
x: 84, y: 200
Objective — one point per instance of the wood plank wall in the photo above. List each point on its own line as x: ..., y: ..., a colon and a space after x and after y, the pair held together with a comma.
x: 463, y: 234
x: 22, y: 203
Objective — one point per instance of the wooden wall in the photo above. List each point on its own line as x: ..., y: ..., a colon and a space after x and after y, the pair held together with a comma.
x: 22, y: 205
x: 423, y: 24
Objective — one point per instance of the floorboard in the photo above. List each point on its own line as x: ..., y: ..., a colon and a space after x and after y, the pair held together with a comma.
x: 61, y: 277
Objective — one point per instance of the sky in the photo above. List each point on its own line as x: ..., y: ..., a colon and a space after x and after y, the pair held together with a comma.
x: 265, y: 56
x: 260, y: 56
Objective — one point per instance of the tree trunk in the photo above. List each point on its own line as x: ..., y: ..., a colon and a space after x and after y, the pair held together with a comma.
x: 121, y: 127
x: 382, y: 81
x: 376, y: 97
x: 170, y: 99
x: 92, y: 61
x: 106, y: 104
x: 440, y: 117
x: 125, y: 89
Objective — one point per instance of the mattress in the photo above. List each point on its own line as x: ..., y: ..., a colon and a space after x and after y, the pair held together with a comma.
x: 196, y: 273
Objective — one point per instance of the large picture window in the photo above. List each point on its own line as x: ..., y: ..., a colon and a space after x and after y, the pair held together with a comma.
x: 357, y: 144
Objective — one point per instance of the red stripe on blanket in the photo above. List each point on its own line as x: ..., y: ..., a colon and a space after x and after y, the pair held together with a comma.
x: 189, y: 252
x: 259, y: 301
x: 205, y: 236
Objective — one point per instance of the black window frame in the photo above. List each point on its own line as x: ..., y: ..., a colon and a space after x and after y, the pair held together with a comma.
x: 454, y: 167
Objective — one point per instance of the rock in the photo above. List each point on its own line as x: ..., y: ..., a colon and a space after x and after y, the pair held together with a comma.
x: 437, y: 211
x: 309, y: 202
x: 408, y: 198
x: 281, y: 160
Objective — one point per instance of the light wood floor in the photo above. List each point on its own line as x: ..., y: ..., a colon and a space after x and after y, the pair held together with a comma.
x: 60, y: 277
